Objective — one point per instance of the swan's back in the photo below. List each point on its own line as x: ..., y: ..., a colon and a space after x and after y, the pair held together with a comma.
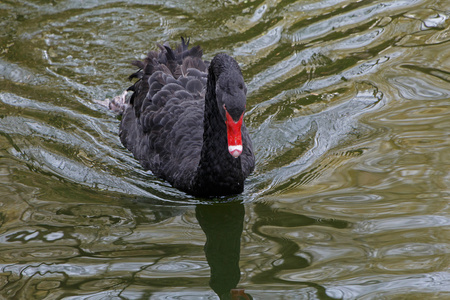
x: 163, y: 123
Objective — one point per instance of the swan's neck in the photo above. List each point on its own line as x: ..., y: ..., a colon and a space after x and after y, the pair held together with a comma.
x: 218, y: 172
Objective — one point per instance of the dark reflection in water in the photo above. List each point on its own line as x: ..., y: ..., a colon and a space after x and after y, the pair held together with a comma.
x: 222, y: 224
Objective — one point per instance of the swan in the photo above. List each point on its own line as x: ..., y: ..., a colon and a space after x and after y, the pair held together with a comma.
x: 185, y: 120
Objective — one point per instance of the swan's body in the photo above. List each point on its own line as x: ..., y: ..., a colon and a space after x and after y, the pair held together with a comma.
x: 184, y: 121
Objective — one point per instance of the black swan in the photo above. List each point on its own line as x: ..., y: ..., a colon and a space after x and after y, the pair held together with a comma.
x: 184, y: 121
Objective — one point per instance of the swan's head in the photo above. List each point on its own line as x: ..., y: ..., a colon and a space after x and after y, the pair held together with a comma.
x: 231, y: 99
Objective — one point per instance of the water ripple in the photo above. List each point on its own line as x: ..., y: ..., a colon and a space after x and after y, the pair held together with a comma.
x: 401, y: 223
x: 353, y: 17
x: 386, y: 285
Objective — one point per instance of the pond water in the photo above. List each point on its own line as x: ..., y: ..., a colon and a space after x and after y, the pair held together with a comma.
x: 349, y: 112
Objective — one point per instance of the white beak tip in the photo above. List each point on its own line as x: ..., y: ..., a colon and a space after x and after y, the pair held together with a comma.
x: 235, y: 151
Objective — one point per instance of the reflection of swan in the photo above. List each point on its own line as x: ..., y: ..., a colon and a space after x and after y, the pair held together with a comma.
x: 222, y: 224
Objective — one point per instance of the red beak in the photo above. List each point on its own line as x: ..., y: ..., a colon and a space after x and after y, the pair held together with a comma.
x: 234, y: 135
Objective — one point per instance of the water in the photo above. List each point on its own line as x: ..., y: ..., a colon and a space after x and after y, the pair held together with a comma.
x: 348, y: 108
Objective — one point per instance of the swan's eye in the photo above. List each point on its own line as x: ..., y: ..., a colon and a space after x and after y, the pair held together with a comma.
x: 241, y: 86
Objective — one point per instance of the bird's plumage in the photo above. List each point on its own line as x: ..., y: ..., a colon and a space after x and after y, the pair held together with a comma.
x: 174, y: 123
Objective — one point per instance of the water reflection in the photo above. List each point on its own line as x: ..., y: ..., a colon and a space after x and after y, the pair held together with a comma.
x: 222, y: 224
x: 122, y: 251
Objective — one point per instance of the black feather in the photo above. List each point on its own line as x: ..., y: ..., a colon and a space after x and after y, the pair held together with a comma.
x: 175, y: 125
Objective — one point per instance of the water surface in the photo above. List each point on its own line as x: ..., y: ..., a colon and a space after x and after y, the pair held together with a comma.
x: 348, y: 109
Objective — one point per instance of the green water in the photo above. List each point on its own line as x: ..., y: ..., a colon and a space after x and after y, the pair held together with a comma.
x: 349, y: 112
